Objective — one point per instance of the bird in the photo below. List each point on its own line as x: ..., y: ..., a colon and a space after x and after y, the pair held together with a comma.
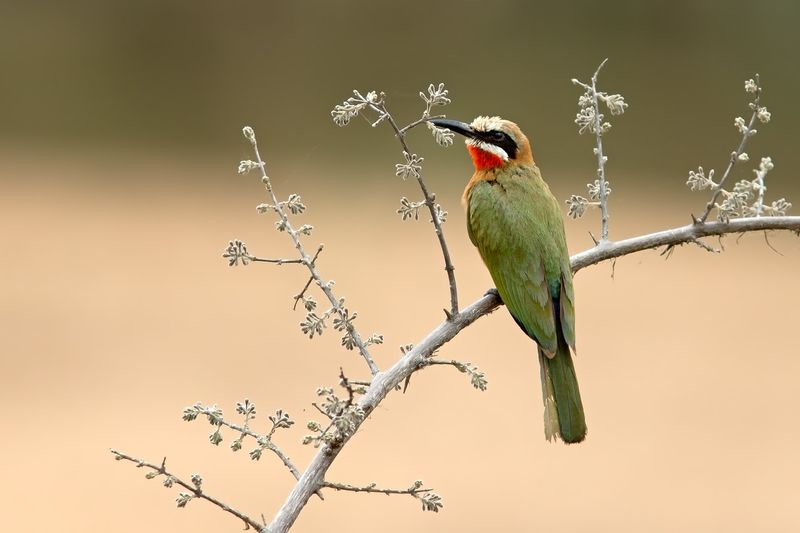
x: 517, y: 226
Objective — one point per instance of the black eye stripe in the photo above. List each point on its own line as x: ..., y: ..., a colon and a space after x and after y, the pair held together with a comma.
x: 502, y: 140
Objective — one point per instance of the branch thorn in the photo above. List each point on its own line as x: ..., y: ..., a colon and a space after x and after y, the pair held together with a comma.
x: 766, y: 238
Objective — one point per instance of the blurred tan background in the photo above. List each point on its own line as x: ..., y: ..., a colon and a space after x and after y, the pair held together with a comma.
x: 119, y: 140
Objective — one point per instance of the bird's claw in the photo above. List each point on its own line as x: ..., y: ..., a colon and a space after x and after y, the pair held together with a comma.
x: 493, y: 292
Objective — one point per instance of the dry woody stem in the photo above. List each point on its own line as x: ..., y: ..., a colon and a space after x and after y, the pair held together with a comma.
x: 601, y: 160
x: 416, y: 357
x: 314, y: 476
x: 400, y: 133
x: 746, y: 134
x: 309, y: 262
x: 267, y: 442
x: 194, y: 489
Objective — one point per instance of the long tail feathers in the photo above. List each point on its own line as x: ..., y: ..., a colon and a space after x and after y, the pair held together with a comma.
x: 551, y: 426
x: 563, y: 409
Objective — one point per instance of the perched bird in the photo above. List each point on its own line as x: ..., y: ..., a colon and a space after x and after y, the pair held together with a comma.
x: 516, y: 223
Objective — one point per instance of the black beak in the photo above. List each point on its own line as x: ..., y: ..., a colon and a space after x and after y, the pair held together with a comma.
x: 455, y: 126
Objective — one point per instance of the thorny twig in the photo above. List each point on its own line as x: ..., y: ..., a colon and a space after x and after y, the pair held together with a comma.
x: 680, y: 235
x: 299, y: 296
x: 264, y: 440
x: 746, y: 134
x: 322, y: 411
x: 313, y: 478
x: 195, y: 488
x: 276, y: 261
x: 601, y: 158
x: 430, y: 500
x: 308, y: 261
x: 387, y: 380
x: 279, y: 420
x: 425, y: 118
x: 237, y: 251
x: 378, y: 105
x: 340, y: 413
x: 477, y: 378
x: 429, y: 201
x: 344, y: 382
x: 372, y: 487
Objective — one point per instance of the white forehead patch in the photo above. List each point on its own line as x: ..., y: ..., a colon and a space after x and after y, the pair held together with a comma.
x: 487, y: 124
x: 486, y: 147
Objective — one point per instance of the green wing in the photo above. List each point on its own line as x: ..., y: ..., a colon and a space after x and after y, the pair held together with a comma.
x: 515, y: 222
x: 517, y: 226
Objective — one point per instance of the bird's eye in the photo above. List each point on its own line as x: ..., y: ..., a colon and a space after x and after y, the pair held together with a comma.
x: 498, y: 135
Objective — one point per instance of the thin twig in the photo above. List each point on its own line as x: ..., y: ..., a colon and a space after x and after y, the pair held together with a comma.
x: 705, y: 246
x: 734, y: 156
x: 299, y: 296
x: 196, y: 491
x: 450, y: 362
x: 262, y: 440
x: 419, y: 121
x: 266, y: 440
x: 309, y: 262
x: 476, y: 377
x: 601, y: 158
x: 766, y: 239
x: 344, y: 382
x: 380, y: 108
x: 761, y: 174
x: 383, y: 383
x: 372, y: 487
x: 597, y: 127
x: 276, y: 261
x: 321, y: 410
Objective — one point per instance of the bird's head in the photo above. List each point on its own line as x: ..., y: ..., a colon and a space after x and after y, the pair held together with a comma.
x: 491, y: 141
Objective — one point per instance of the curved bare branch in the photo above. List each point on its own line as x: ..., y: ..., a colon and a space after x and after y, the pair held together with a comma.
x: 314, y: 477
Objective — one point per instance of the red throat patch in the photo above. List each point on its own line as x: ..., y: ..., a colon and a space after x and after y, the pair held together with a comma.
x: 483, y: 159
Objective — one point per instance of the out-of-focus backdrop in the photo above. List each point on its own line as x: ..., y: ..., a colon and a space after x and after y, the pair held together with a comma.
x: 119, y: 141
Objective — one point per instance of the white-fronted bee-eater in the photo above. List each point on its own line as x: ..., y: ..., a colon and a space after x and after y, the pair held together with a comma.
x: 517, y: 225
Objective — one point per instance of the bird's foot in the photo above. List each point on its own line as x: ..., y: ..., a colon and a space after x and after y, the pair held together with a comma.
x: 493, y: 292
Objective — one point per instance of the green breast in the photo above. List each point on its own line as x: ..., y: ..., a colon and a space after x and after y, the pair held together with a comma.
x: 517, y: 226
